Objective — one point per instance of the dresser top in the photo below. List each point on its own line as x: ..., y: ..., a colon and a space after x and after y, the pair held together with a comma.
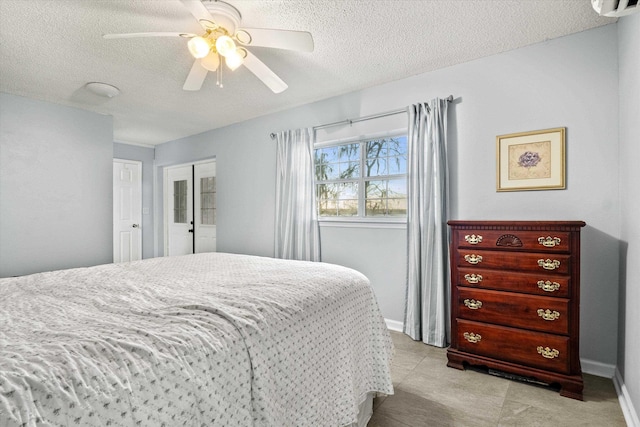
x: 520, y: 225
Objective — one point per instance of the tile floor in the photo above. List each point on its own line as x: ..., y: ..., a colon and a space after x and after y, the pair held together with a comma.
x: 428, y: 393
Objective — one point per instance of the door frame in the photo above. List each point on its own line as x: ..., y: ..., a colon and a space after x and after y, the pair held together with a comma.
x: 138, y: 165
x: 165, y: 196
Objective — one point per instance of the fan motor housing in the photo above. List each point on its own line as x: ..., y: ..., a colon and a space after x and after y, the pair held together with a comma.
x: 224, y: 15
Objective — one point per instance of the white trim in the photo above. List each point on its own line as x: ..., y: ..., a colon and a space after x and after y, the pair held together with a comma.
x: 629, y: 412
x: 394, y: 325
x: 598, y: 369
x: 362, y: 223
x: 364, y: 137
x: 139, y: 144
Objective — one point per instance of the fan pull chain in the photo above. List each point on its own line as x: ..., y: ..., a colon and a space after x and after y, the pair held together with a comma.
x: 219, y: 76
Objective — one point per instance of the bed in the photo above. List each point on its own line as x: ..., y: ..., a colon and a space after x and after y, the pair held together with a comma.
x: 198, y: 340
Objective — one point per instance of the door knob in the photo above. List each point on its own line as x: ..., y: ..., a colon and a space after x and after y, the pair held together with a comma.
x: 136, y: 225
x: 191, y: 231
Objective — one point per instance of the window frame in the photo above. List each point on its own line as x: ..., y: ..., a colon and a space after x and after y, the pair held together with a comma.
x: 361, y: 220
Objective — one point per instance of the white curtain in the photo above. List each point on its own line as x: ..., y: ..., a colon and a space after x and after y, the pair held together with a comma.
x: 297, y: 230
x: 427, y: 300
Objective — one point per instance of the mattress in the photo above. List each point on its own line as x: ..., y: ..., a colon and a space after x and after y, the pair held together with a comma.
x: 198, y: 340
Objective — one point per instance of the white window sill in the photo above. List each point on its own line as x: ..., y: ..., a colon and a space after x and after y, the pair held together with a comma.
x: 363, y: 222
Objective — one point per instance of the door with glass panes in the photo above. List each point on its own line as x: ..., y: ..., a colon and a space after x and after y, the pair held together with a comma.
x: 190, y: 215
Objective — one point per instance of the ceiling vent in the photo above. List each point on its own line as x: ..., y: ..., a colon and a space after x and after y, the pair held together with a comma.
x: 615, y: 8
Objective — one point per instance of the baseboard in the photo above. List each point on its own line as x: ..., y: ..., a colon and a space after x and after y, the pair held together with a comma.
x: 394, y: 325
x: 629, y: 412
x: 598, y: 369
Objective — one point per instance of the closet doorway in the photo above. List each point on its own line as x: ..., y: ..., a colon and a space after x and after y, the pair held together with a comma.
x: 190, y: 208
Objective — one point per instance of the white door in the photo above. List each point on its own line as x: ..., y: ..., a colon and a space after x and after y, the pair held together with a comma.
x: 179, y: 214
x: 127, y: 210
x: 190, y: 215
x: 205, y: 207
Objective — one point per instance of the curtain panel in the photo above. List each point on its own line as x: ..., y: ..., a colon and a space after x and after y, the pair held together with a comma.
x: 297, y: 232
x: 427, y: 298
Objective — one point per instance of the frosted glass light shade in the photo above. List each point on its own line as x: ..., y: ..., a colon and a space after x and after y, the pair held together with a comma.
x: 211, y: 61
x: 225, y: 45
x: 199, y: 47
x: 234, y: 60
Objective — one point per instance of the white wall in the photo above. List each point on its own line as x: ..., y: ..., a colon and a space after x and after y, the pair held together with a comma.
x: 568, y: 82
x: 629, y: 344
x: 55, y: 187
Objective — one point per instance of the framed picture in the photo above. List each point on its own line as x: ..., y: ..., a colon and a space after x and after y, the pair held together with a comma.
x: 531, y: 160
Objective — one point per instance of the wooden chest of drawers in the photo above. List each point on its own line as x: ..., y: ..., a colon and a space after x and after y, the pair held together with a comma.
x: 515, y: 299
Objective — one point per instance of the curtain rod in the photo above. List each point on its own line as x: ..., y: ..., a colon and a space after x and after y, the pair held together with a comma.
x: 361, y: 119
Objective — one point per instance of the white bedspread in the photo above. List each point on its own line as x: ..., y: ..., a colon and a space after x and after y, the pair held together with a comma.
x: 200, y: 340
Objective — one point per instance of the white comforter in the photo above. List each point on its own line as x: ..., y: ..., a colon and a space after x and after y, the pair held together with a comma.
x: 200, y: 340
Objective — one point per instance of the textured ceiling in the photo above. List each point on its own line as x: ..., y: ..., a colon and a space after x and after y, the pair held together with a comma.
x: 50, y: 49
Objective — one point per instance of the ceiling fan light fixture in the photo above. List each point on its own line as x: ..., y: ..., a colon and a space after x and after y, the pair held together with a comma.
x: 225, y: 46
x: 102, y: 89
x: 199, y: 47
x: 234, y: 59
x: 211, y: 61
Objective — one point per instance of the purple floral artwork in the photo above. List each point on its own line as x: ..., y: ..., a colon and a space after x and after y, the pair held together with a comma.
x: 529, y: 159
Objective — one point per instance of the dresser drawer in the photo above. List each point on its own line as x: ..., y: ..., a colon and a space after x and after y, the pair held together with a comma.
x: 540, y: 262
x: 536, y: 349
x: 539, y: 241
x: 531, y: 283
x: 544, y: 314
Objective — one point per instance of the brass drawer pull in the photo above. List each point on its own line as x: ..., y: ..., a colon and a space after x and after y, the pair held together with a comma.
x: 473, y: 239
x: 548, y: 264
x: 473, y: 278
x: 548, y: 314
x: 549, y: 242
x: 548, y: 353
x: 471, y: 337
x: 473, y: 259
x: 473, y: 304
x: 548, y: 286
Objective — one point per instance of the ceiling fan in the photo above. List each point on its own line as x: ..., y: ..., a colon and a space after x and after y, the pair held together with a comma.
x: 224, y: 40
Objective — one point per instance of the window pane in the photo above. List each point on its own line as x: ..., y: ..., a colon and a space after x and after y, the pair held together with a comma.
x: 349, y: 152
x: 376, y: 148
x: 397, y: 207
x: 377, y: 167
x: 348, y: 190
x: 349, y: 170
x: 375, y: 189
x: 397, y: 165
x: 397, y: 188
x: 207, y: 200
x: 180, y: 202
x: 375, y: 207
x: 348, y: 207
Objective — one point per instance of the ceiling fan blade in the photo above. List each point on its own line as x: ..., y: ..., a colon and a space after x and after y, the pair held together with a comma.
x: 200, y: 12
x: 264, y: 73
x: 153, y: 34
x: 196, y: 76
x: 280, y: 39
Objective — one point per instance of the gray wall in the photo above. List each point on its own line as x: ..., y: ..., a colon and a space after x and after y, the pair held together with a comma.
x: 569, y: 82
x: 629, y: 344
x: 55, y: 187
x: 146, y: 156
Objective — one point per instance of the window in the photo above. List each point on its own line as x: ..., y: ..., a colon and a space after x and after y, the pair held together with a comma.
x: 180, y: 202
x: 364, y: 179
x: 208, y: 200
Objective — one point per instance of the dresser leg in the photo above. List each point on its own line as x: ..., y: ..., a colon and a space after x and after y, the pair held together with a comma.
x: 455, y: 362
x: 571, y: 390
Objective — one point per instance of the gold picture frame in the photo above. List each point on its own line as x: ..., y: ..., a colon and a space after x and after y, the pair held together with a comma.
x: 531, y: 160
